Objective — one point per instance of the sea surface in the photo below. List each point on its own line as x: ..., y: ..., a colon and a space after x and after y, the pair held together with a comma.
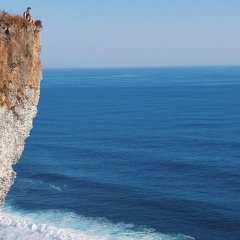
x: 131, y: 153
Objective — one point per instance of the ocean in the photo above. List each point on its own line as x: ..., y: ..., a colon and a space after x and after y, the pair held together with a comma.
x: 130, y: 153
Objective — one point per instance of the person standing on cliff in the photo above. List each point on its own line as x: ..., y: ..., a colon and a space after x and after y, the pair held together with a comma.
x: 28, y: 16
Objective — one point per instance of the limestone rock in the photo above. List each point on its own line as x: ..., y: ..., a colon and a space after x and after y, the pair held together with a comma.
x: 20, y: 77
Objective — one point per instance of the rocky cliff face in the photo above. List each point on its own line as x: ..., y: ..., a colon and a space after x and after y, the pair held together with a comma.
x: 20, y: 76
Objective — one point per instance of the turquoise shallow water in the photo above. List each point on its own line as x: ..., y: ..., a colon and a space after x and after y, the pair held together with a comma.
x: 147, y: 153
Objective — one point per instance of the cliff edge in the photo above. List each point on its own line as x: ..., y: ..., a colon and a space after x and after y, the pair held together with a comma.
x: 20, y: 77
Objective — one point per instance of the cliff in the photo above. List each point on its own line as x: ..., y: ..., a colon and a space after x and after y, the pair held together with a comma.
x: 20, y: 76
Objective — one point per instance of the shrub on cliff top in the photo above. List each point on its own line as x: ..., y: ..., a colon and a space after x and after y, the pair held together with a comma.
x: 10, y: 19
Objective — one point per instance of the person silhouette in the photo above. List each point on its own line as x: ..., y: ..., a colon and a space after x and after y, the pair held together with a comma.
x: 27, y: 15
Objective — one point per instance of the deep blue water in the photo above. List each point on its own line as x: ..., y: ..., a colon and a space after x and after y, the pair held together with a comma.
x: 156, y: 148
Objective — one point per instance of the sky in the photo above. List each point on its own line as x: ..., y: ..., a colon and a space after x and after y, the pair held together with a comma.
x: 135, y: 33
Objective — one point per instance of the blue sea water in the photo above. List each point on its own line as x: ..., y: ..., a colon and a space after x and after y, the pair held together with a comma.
x: 144, y: 153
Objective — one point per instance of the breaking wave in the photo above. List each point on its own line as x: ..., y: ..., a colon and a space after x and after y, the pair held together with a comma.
x: 57, y: 225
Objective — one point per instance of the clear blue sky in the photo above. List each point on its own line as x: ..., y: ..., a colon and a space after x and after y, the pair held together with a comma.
x: 129, y: 33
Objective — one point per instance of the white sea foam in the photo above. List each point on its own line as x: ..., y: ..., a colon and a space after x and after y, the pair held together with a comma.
x: 23, y: 228
x: 55, y: 225
x: 56, y: 188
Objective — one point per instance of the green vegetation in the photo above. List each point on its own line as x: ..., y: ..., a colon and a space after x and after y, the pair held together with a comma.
x: 13, y: 66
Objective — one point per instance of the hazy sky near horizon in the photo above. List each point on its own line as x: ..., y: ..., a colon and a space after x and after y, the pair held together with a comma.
x: 131, y: 33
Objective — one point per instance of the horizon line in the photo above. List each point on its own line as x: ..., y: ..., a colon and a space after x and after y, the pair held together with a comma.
x: 137, y: 67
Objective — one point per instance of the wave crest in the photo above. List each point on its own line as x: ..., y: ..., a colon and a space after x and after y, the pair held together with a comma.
x: 56, y: 225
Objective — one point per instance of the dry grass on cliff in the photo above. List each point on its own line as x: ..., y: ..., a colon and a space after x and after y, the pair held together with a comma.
x: 19, y: 51
x: 10, y: 19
